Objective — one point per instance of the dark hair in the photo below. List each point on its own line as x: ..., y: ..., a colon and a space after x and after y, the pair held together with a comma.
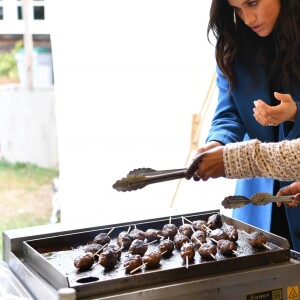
x: 236, y: 42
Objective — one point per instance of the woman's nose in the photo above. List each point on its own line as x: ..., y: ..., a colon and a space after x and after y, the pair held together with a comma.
x: 249, y: 18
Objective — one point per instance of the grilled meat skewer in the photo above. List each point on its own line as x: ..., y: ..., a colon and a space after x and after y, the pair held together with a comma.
x: 84, y: 262
x: 138, y: 247
x: 167, y: 247
x: 227, y: 247
x: 132, y: 262
x: 169, y: 231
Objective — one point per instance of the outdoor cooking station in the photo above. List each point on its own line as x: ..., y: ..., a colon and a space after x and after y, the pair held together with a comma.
x: 41, y: 260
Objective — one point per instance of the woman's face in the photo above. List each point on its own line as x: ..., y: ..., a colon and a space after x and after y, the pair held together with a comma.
x: 260, y: 15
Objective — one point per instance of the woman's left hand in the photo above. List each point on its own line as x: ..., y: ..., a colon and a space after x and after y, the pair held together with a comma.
x: 268, y: 115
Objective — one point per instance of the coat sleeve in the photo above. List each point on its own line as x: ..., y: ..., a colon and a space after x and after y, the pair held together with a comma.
x: 226, y: 126
x: 291, y: 130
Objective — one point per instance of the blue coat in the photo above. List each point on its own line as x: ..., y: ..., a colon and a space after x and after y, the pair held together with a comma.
x: 234, y: 121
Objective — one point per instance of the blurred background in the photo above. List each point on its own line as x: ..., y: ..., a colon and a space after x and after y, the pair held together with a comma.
x: 94, y: 90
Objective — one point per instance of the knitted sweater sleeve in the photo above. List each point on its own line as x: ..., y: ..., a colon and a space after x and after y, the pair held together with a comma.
x: 256, y: 159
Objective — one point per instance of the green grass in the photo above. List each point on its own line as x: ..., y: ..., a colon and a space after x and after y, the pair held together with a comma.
x: 21, y: 175
x: 23, y: 203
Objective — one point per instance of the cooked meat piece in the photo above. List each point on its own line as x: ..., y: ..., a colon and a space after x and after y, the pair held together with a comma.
x: 93, y: 248
x: 199, y: 225
x: 153, y: 234
x: 108, y: 259
x: 137, y: 234
x: 257, y: 239
x: 115, y: 248
x: 214, y: 221
x: 138, y: 247
x: 186, y: 229
x: 232, y: 232
x: 198, y: 238
x: 166, y: 247
x: 124, y: 240
x: 169, y: 231
x: 226, y: 247
x: 152, y: 260
x: 84, y: 262
x: 187, y: 250
x: 180, y: 239
x: 207, y: 251
x: 218, y: 234
x: 132, y: 262
x: 102, y: 239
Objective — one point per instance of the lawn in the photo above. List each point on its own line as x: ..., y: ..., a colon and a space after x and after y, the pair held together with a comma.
x: 25, y: 194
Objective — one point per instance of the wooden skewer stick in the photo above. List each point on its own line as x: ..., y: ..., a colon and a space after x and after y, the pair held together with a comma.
x: 248, y: 234
x: 192, y: 228
x: 187, y: 220
x: 110, y: 231
x: 235, y: 252
x: 227, y: 226
x: 170, y: 220
x: 96, y: 253
x: 187, y: 262
x: 265, y: 245
x: 128, y: 230
x: 138, y: 268
x: 207, y: 228
x: 154, y: 241
x: 202, y: 244
x: 212, y: 256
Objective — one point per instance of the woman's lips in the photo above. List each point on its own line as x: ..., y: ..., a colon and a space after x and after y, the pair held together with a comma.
x: 256, y: 28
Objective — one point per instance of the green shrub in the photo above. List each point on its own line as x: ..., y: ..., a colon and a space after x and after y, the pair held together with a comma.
x: 8, y: 64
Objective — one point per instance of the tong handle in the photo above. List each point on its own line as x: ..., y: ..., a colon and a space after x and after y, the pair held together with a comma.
x: 280, y: 198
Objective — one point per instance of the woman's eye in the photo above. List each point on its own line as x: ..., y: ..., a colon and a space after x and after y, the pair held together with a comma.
x: 252, y: 3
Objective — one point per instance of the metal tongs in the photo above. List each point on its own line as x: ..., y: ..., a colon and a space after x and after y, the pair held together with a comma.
x: 257, y: 199
x: 139, y: 178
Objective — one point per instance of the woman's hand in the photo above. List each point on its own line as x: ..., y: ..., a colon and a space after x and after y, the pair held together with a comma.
x: 292, y: 189
x: 208, y: 146
x: 268, y: 115
x: 208, y: 164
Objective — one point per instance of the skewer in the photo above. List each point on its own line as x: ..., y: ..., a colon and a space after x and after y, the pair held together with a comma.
x: 110, y: 231
x: 96, y: 253
x: 187, y: 219
x: 138, y: 268
x: 207, y: 227
x: 187, y: 262
x: 248, y: 234
x: 192, y: 228
x: 227, y: 226
x: 265, y: 245
x: 152, y: 242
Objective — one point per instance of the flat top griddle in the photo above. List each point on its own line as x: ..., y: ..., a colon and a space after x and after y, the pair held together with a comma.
x: 53, y: 258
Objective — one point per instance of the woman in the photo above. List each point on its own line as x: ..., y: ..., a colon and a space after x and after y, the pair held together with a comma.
x: 258, y: 61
